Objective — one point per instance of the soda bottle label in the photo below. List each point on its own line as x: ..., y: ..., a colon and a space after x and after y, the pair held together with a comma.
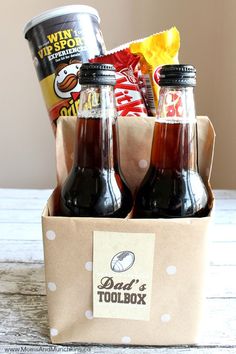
x: 173, y: 104
x: 90, y: 101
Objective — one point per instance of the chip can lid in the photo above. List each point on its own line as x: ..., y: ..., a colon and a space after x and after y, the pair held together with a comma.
x: 177, y: 75
x: 60, y: 11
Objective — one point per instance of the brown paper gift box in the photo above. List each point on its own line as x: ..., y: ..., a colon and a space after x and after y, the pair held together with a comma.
x: 177, y: 299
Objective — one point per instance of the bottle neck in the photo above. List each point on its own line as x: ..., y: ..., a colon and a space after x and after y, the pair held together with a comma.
x: 175, y: 134
x: 96, y: 143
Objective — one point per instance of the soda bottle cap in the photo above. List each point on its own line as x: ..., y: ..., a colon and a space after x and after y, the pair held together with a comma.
x: 178, y: 75
x: 97, y: 74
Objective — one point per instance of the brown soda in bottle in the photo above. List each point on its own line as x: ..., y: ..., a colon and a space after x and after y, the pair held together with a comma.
x: 172, y: 187
x: 95, y: 186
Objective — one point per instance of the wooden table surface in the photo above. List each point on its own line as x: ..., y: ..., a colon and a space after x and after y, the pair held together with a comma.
x: 23, y: 309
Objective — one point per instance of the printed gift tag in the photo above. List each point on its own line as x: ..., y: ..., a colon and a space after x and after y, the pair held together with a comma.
x: 122, y: 274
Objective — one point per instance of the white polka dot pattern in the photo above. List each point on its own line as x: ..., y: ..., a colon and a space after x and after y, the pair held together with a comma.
x: 89, y: 314
x: 52, y: 286
x: 51, y: 235
x: 143, y: 163
x: 165, y: 317
x: 125, y: 340
x: 53, y: 332
x: 171, y: 270
x: 89, y: 266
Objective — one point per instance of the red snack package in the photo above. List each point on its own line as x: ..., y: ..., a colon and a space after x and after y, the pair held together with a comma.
x: 129, y: 100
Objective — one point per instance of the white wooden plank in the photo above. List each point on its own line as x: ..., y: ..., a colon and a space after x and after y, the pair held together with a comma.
x: 225, y: 193
x: 225, y: 204
x: 20, y: 231
x: 34, y: 216
x: 19, y: 207
x: 224, y: 216
x: 219, y: 323
x: 25, y: 193
x: 221, y: 253
x: 223, y: 233
x: 221, y: 282
x: 23, y: 319
x: 20, y: 216
x: 22, y: 203
x: 39, y: 203
x: 27, y: 278
x: 100, y: 349
x: 21, y: 251
x: 36, y: 203
x: 45, y: 193
x: 15, y: 321
x: 23, y: 278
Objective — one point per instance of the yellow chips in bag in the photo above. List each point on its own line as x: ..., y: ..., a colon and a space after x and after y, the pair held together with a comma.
x: 156, y: 50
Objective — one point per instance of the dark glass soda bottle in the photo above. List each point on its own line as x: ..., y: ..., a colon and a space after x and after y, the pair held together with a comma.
x: 172, y: 187
x: 95, y: 186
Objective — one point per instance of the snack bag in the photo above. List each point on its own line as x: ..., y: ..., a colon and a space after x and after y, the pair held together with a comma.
x: 129, y: 100
x: 154, y: 51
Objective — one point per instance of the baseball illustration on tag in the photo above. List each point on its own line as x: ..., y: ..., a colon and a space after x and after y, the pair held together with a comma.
x: 122, y: 276
x: 122, y: 261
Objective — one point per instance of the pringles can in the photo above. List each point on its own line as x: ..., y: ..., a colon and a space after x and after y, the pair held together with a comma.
x: 60, y: 41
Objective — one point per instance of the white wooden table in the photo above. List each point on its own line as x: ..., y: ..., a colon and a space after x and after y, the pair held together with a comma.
x: 23, y: 312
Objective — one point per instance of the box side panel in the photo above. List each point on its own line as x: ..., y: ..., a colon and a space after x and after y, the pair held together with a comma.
x: 178, y: 281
